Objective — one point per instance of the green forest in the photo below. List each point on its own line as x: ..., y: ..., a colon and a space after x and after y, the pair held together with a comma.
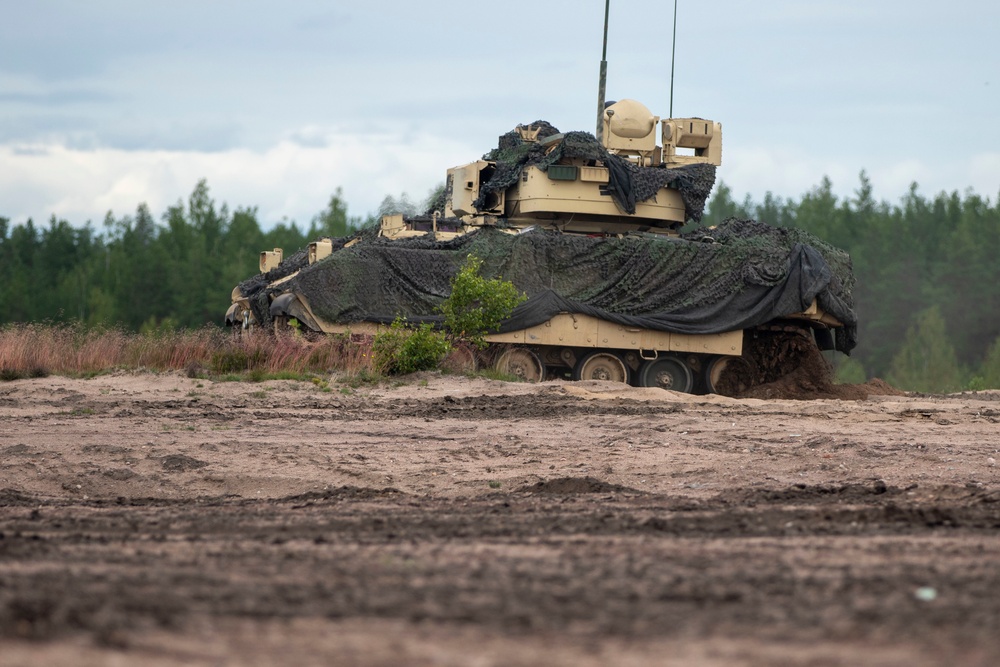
x: 927, y: 270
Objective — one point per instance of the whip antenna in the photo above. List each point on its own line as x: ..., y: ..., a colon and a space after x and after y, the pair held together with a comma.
x: 604, y: 75
x: 673, y: 53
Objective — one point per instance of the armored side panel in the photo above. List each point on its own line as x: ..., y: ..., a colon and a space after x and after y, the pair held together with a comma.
x: 575, y: 198
x: 270, y: 259
x: 465, y: 190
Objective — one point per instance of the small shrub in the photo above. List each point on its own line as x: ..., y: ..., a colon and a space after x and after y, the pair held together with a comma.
x: 387, y: 344
x: 401, y: 349
x: 194, y: 370
x: 320, y: 383
x: 477, y: 305
x: 11, y: 374
x: 257, y: 375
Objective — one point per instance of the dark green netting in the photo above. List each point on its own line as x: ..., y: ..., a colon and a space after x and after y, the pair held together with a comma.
x: 628, y: 183
x: 738, y: 275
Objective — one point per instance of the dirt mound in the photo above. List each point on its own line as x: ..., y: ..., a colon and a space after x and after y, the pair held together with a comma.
x: 802, y: 374
x: 181, y: 463
x: 576, y: 485
x: 879, y: 387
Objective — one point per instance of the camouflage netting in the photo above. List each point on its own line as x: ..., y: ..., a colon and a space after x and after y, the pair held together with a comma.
x: 738, y: 275
x: 628, y: 183
x: 255, y: 288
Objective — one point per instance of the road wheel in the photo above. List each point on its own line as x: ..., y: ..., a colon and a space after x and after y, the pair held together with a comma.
x: 460, y: 361
x: 667, y: 372
x: 728, y: 376
x: 601, y: 366
x: 522, y: 363
x: 714, y: 369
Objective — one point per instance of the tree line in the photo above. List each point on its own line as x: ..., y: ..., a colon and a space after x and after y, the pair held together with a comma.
x: 927, y: 269
x: 928, y: 278
x: 143, y: 273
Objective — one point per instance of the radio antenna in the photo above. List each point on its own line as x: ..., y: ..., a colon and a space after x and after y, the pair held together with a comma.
x: 604, y: 75
x: 673, y: 53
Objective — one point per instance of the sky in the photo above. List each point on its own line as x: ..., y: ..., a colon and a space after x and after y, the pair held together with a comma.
x: 107, y: 104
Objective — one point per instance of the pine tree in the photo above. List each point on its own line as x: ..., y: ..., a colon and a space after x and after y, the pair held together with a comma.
x: 332, y: 221
x: 926, y: 362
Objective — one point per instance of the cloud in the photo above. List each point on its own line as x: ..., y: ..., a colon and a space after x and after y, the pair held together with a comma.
x: 756, y: 170
x: 293, y: 178
x: 204, y: 135
x: 286, y: 181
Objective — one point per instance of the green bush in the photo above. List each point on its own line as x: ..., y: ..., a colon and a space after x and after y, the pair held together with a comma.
x: 477, y: 305
x: 403, y: 349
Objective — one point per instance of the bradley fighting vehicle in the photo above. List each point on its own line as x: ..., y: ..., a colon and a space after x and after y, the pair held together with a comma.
x: 590, y: 229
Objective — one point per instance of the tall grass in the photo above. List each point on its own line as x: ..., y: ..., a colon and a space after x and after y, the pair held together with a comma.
x: 36, y: 350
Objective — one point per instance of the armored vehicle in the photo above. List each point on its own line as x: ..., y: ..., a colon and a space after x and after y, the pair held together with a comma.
x: 590, y: 229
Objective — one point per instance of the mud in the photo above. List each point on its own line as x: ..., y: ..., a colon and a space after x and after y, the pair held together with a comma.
x: 161, y: 520
x: 788, y: 365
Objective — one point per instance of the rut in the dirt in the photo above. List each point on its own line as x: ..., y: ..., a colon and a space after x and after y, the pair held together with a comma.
x: 574, y: 551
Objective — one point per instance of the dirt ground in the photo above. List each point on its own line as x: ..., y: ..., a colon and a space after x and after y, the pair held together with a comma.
x: 161, y: 520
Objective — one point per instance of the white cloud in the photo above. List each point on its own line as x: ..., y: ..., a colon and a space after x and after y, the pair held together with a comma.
x: 786, y: 173
x: 783, y: 172
x: 294, y: 181
x: 286, y: 181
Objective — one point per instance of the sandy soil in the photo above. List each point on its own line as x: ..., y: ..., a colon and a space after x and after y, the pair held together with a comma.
x: 162, y: 520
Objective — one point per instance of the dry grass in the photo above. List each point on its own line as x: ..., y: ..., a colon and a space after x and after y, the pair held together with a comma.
x: 36, y: 350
